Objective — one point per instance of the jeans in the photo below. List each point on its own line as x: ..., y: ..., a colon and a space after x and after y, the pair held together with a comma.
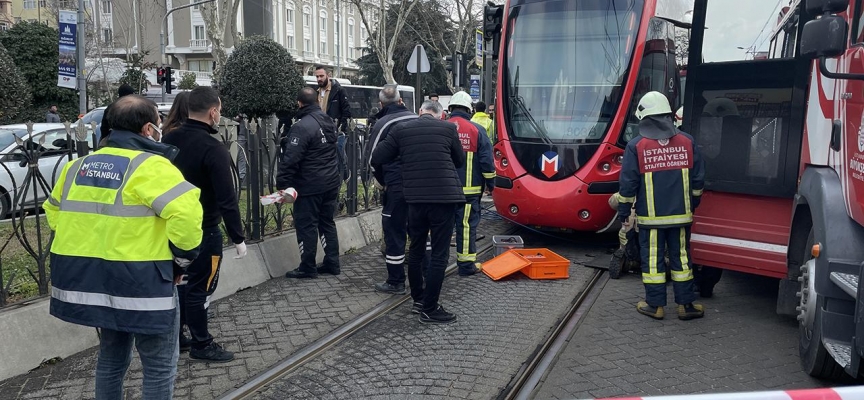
x: 159, y: 354
x: 203, y: 276
x: 423, y: 218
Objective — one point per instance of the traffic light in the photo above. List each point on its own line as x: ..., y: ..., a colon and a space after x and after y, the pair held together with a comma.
x: 168, y: 78
x: 493, y: 16
x: 461, y: 77
x: 160, y: 75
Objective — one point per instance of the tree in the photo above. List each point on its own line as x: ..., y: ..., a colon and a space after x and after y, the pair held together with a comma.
x: 187, y: 82
x: 134, y: 75
x: 260, y: 78
x: 376, y: 13
x: 14, y: 93
x: 218, y: 17
x: 35, y: 50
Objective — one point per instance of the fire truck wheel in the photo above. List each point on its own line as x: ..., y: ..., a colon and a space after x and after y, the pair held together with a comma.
x: 616, y: 264
x: 814, y: 357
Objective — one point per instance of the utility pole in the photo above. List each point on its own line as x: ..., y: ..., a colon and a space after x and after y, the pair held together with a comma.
x: 80, y: 48
x: 339, y: 39
x: 162, y: 44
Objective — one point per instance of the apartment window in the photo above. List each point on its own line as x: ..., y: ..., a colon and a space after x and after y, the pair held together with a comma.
x: 198, y: 32
x: 350, y: 30
x: 336, y: 31
x: 336, y: 50
x: 291, y: 41
x: 289, y: 14
x: 3, y: 26
x: 106, y: 7
x: 307, y: 44
x: 201, y: 65
x: 42, y: 3
x: 29, y: 4
x: 350, y: 10
x: 322, y: 3
x: 107, y: 35
x: 307, y: 17
x: 323, y: 24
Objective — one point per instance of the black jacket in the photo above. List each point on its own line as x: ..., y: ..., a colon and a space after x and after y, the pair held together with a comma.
x: 309, y: 160
x: 430, y: 152
x: 338, y: 107
x: 391, y: 173
x: 205, y: 163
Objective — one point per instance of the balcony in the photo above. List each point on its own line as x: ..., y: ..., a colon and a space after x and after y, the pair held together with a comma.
x: 199, y: 44
x: 308, y: 54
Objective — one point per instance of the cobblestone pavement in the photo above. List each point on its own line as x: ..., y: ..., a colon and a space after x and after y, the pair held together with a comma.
x: 262, y: 325
x: 500, y: 324
x: 740, y: 345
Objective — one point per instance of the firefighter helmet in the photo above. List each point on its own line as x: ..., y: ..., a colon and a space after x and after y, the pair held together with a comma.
x: 652, y: 103
x: 679, y: 116
x: 461, y: 99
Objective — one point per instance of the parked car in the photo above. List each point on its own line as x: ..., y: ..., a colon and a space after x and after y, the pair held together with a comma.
x: 14, y: 160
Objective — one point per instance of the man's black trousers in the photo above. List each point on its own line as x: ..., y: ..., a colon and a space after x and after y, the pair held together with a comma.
x: 424, y: 219
x: 313, y: 218
x: 202, y: 276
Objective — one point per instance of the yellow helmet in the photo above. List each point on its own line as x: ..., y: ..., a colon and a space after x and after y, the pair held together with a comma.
x: 653, y: 103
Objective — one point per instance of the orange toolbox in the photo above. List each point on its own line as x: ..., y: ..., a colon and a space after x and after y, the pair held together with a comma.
x: 534, y: 263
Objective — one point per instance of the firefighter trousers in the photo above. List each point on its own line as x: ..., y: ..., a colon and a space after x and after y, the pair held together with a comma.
x: 654, y: 246
x: 467, y: 219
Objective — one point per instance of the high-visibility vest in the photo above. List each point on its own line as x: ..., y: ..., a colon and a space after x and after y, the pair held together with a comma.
x: 482, y: 119
x: 120, y: 217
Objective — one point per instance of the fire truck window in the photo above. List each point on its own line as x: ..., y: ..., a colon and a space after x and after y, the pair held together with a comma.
x: 742, y: 133
x: 741, y: 29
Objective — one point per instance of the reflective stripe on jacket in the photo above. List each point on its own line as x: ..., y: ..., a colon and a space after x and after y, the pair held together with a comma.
x: 483, y: 119
x: 120, y: 217
x: 664, y: 178
x: 479, y: 170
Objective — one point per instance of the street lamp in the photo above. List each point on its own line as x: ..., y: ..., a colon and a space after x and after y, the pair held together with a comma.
x: 165, y: 29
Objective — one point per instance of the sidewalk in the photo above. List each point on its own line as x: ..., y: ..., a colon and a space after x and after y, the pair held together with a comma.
x: 262, y: 325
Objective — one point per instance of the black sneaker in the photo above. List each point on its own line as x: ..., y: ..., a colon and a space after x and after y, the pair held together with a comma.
x: 298, y: 274
x: 438, y: 316
x: 185, y: 343
x: 212, y: 353
x: 390, y: 288
x: 417, y: 307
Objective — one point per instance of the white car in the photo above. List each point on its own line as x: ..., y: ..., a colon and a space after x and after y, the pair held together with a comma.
x: 14, y: 160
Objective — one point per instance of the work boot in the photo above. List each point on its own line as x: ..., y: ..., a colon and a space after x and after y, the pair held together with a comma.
x: 212, y: 353
x: 690, y: 311
x: 329, y: 270
x: 390, y: 288
x: 651, y: 311
x: 477, y: 267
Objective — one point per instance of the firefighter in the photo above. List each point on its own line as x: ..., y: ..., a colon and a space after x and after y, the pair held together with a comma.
x: 477, y: 173
x: 663, y: 174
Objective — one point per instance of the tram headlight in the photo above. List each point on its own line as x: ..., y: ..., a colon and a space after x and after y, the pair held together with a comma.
x: 504, y: 162
x: 584, y: 214
x: 498, y: 154
x: 513, y: 209
x: 605, y: 167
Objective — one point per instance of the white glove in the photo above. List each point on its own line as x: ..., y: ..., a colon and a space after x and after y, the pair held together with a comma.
x: 377, y: 184
x: 182, y: 262
x: 241, y: 250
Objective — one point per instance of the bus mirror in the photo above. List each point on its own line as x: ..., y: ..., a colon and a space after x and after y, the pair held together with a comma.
x: 824, y: 37
x: 826, y: 6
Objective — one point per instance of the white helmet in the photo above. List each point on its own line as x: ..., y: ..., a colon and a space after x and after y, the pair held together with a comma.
x: 653, y: 103
x: 679, y: 116
x: 460, y: 98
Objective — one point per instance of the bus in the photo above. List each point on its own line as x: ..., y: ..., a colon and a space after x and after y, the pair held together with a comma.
x: 363, y: 100
x: 570, y: 76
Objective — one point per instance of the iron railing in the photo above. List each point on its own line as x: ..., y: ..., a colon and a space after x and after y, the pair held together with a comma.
x: 30, y: 168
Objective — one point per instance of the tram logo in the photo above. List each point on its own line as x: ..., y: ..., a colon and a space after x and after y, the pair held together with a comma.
x: 549, y: 164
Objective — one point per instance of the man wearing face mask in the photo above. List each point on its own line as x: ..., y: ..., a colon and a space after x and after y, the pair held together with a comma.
x: 308, y: 164
x: 205, y: 162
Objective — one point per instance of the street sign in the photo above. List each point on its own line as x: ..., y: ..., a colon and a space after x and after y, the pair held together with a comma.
x: 475, y: 87
x: 479, y: 48
x: 424, y: 60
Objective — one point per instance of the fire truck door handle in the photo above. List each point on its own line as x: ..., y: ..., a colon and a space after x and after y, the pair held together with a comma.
x: 836, y: 134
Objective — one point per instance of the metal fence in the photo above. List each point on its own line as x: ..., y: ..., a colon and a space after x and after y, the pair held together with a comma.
x: 30, y: 166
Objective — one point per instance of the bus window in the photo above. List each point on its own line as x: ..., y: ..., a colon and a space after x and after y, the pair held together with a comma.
x: 407, y: 99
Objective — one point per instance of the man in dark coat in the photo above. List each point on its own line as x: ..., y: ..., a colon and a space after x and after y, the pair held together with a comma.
x: 308, y: 165
x: 430, y: 152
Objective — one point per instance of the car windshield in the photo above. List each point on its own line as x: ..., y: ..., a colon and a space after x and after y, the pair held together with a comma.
x: 93, y: 116
x: 7, y: 136
x: 566, y: 62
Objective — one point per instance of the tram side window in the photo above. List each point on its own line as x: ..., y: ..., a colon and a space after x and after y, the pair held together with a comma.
x: 858, y: 24
x: 741, y: 30
x: 741, y: 134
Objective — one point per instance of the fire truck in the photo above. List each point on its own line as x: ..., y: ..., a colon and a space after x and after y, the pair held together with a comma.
x: 783, y: 142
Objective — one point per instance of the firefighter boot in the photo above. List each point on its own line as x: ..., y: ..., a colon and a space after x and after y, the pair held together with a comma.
x: 651, y: 311
x: 690, y: 311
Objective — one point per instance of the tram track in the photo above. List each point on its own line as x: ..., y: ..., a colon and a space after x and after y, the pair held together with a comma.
x: 318, y: 347
x: 532, y: 373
